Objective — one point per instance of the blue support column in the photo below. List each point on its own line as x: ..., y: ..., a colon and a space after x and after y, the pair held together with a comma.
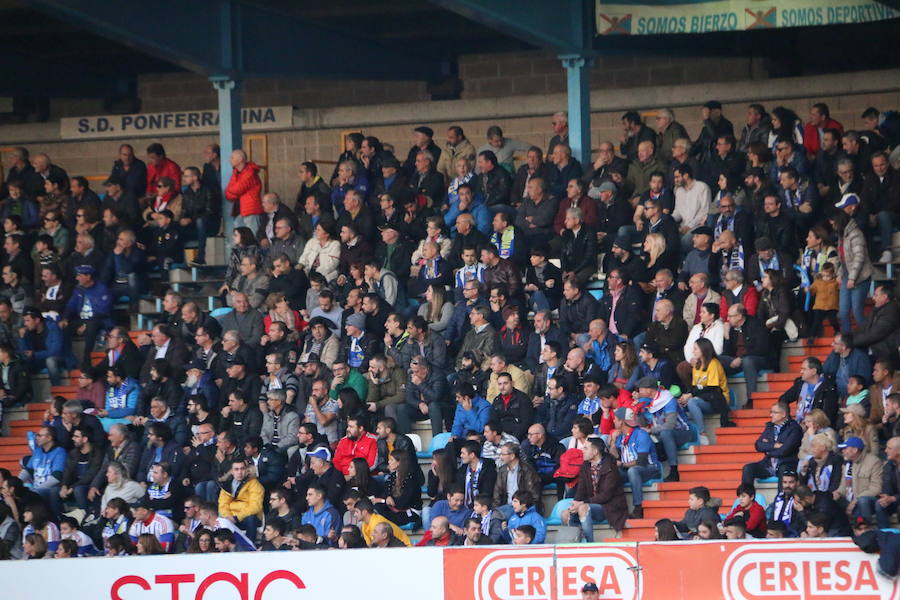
x: 579, y: 105
x: 230, y: 138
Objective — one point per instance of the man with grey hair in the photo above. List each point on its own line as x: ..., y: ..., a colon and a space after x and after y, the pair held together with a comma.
x: 273, y: 210
x: 244, y: 319
x: 513, y: 476
x: 578, y: 258
x: 73, y: 416
x: 123, y: 450
x: 667, y: 131
x: 426, y: 180
x: 280, y: 423
x: 560, y: 125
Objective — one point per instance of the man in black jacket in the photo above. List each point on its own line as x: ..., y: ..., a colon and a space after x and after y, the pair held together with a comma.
x: 476, y: 475
x: 493, y: 181
x: 199, y: 211
x: 200, y: 465
x: 886, y: 505
x: 577, y: 309
x: 82, y: 464
x: 130, y: 171
x: 15, y: 383
x: 880, y: 328
x: 425, y: 179
x: 780, y: 442
x: 512, y: 408
x: 578, y: 257
x: 321, y: 472
x: 240, y: 418
x: 544, y: 331
x: 746, y: 346
x: 423, y: 137
x: 622, y: 306
x: 160, y: 448
x: 812, y: 390
x: 311, y: 185
x: 386, y: 430
x: 426, y: 398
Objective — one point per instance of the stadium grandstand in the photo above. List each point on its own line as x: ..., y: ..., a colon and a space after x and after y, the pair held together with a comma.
x: 606, y: 289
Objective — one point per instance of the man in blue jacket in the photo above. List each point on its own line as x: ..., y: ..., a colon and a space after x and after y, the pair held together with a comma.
x: 472, y: 411
x: 845, y: 361
x: 321, y: 514
x: 88, y: 311
x: 780, y: 442
x: 44, y: 468
x: 42, y: 345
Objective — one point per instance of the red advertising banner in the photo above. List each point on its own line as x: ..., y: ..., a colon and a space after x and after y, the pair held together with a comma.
x: 762, y: 570
x: 832, y: 569
x: 541, y: 572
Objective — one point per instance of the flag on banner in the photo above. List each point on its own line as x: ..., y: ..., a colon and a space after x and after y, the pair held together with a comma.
x: 652, y: 17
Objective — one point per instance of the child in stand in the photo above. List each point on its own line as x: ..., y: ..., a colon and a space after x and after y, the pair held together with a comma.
x: 167, y: 246
x: 700, y: 508
x: 491, y: 519
x: 43, y: 254
x: 752, y: 514
x: 825, y: 289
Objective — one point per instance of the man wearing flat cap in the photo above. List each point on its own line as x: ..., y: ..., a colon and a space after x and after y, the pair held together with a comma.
x: 714, y: 126
x: 422, y: 141
x: 391, y: 180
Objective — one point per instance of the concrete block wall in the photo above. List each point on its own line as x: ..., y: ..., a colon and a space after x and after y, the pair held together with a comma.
x: 286, y: 149
x: 537, y: 72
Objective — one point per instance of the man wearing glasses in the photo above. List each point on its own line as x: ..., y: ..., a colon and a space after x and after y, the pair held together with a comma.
x: 780, y: 442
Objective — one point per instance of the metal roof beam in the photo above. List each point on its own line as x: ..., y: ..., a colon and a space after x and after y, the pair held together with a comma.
x: 563, y: 25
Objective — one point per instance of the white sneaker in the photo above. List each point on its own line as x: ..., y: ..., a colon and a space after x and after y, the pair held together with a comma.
x: 704, y: 441
x: 886, y: 258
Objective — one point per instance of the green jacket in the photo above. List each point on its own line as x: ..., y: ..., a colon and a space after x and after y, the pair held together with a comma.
x: 355, y: 381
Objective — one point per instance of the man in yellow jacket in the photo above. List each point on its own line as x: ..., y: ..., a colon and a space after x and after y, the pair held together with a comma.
x: 368, y: 519
x: 241, y: 499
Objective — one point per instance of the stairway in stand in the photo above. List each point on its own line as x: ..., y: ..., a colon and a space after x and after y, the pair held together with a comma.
x: 19, y: 421
x: 718, y: 466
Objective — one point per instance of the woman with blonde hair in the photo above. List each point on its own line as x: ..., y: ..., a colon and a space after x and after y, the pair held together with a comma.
x: 437, y: 308
x: 814, y: 423
x: 822, y: 473
x: 856, y: 425
x: 656, y: 255
x: 34, y: 546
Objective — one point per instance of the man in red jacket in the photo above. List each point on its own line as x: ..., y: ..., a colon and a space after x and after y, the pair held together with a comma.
x: 245, y: 189
x: 160, y: 166
x: 358, y: 443
x: 819, y: 121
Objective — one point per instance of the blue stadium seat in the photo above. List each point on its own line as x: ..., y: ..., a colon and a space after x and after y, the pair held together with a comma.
x: 772, y: 479
x: 408, y: 526
x: 220, y: 312
x: 437, y: 442
x: 555, y: 517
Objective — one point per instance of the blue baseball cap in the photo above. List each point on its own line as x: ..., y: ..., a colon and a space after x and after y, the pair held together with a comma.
x: 852, y: 442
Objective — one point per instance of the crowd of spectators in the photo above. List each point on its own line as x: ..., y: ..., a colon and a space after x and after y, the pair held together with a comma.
x: 453, y: 288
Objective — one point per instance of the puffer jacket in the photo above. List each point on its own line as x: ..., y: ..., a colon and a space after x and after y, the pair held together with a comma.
x: 245, y: 188
x: 854, y: 255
